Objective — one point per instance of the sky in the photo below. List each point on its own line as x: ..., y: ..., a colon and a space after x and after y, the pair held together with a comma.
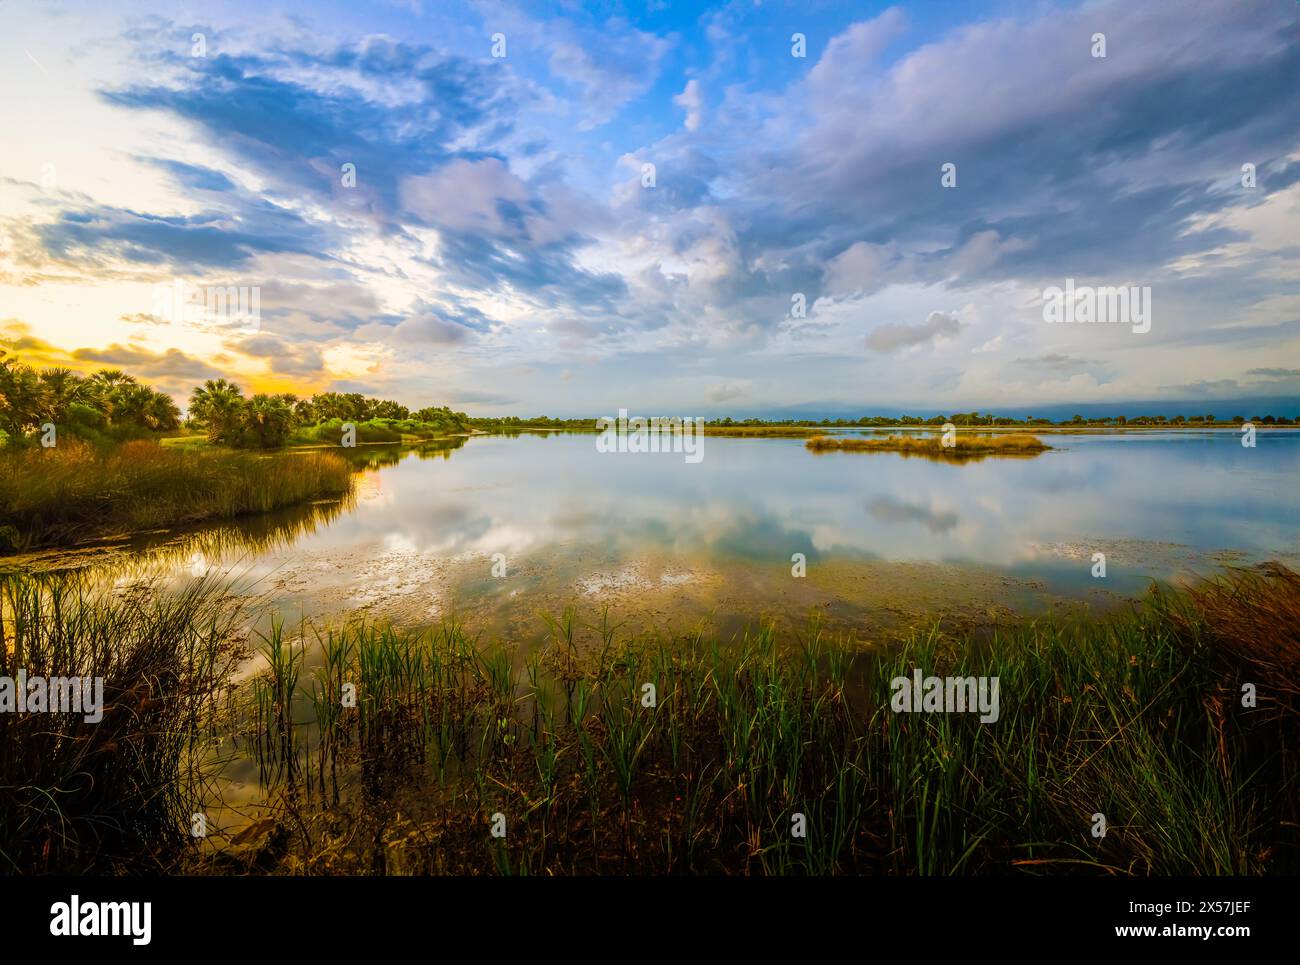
x: 679, y: 208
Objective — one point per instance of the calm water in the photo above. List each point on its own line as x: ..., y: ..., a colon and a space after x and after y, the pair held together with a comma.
x: 881, y: 533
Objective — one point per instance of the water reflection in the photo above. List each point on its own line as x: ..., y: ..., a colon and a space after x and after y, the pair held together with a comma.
x: 420, y: 532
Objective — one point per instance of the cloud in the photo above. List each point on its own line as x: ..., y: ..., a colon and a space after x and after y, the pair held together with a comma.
x: 285, y: 358
x: 429, y: 329
x: 477, y: 397
x: 1205, y: 388
x: 888, y: 338
x: 191, y: 176
x: 692, y: 102
x: 498, y: 205
x: 728, y: 391
x: 96, y: 235
x: 889, y: 510
x: 1053, y: 360
x: 139, y: 361
x: 466, y: 196
x: 612, y: 66
x: 860, y: 267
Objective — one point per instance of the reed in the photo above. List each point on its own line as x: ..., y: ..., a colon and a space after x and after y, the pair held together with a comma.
x: 76, y: 492
x: 1136, y: 717
x: 116, y: 795
x: 760, y: 432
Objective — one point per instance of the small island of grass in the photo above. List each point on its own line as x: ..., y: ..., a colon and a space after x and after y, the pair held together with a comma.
x: 963, y: 446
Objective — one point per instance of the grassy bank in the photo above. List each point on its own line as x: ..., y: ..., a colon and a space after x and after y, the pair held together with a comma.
x: 963, y: 447
x: 115, y: 795
x: 772, y: 432
x: 75, y: 491
x: 1138, y: 718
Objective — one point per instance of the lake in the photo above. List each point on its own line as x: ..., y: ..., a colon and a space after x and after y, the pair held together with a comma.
x: 503, y: 528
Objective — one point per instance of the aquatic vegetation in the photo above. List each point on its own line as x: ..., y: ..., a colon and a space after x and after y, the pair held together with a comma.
x: 75, y: 491
x: 964, y: 446
x: 383, y: 749
x: 119, y: 794
x: 607, y: 752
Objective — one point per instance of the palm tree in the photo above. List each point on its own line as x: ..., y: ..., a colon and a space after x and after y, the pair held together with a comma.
x: 131, y: 403
x: 216, y: 404
x: 23, y: 397
x: 267, y: 420
x: 63, y: 388
x: 102, y: 385
x: 162, y: 414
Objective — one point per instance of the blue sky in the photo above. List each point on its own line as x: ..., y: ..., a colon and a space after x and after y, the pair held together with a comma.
x: 501, y: 250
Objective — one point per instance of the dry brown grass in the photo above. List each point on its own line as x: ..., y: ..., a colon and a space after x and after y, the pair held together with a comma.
x: 965, y: 446
x: 769, y: 432
x: 76, y: 491
x: 1252, y: 619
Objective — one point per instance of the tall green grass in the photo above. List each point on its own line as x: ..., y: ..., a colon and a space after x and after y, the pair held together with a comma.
x: 75, y: 492
x: 1137, y: 717
x: 115, y: 795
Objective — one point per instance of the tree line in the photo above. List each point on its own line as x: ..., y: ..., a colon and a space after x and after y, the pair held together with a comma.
x: 111, y: 405
x: 108, y: 403
x: 266, y: 421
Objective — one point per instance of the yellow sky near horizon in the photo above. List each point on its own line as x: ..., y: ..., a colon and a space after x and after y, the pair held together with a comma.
x: 157, y: 362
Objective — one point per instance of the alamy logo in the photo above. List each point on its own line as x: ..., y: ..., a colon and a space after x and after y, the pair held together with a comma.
x: 133, y: 918
x: 236, y: 309
x: 651, y: 435
x: 919, y: 694
x: 53, y: 695
x: 1085, y: 304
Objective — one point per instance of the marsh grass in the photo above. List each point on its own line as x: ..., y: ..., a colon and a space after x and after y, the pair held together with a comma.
x: 770, y: 432
x: 1136, y: 717
x: 117, y: 795
x: 965, y: 446
x: 76, y: 492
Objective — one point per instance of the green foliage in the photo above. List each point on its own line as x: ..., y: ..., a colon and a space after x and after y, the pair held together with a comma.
x: 79, y: 797
x: 271, y: 421
x: 1136, y: 716
x: 108, y: 406
x: 265, y: 422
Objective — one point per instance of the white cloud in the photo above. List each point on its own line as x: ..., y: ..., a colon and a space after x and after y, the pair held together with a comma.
x: 692, y: 102
x: 887, y: 338
x: 464, y: 195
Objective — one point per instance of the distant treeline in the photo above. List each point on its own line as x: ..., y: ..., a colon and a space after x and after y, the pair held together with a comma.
x: 988, y: 419
x: 508, y: 423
